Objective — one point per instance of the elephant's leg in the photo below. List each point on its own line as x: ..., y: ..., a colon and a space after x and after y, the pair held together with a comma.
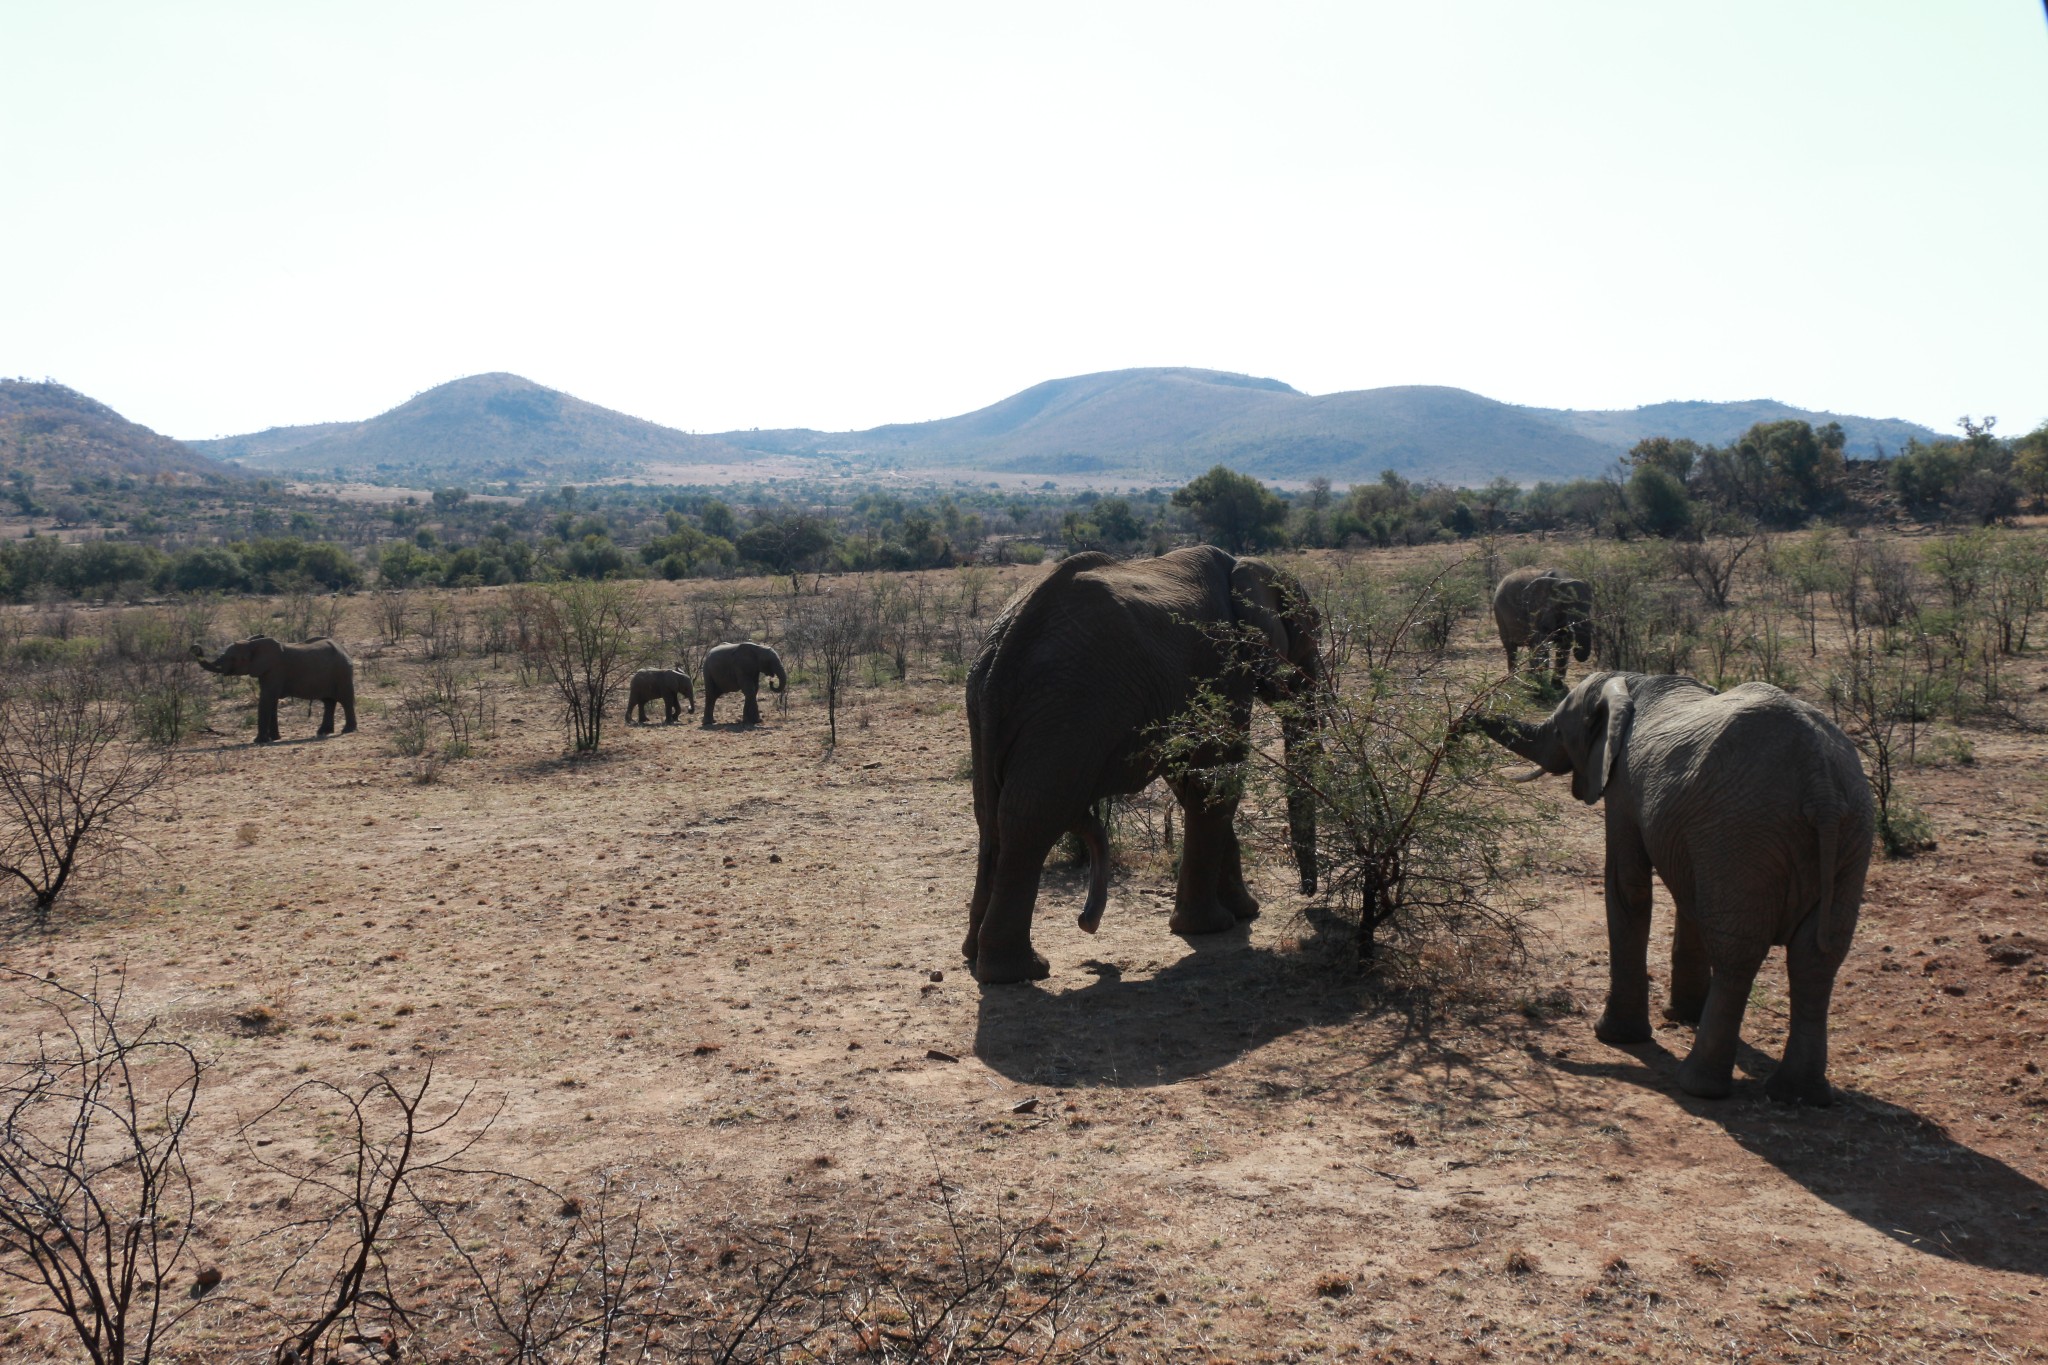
x: 711, y: 696
x: 1802, y: 1077
x: 670, y: 709
x: 266, y: 718
x: 984, y: 887
x: 1691, y: 973
x: 751, y: 715
x: 1002, y: 937
x: 348, y: 711
x: 326, y: 719
x: 1627, y: 1016
x: 1709, y: 1069
x: 1512, y: 652
x: 1237, y: 898
x: 1206, y: 837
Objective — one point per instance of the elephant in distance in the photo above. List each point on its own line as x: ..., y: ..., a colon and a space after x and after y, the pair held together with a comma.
x: 738, y: 668
x: 665, y: 683
x: 1545, y: 612
x: 319, y: 670
x: 1064, y: 704
x: 1754, y: 811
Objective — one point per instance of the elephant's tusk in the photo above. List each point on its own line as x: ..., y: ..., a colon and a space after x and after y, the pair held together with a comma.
x: 1531, y: 775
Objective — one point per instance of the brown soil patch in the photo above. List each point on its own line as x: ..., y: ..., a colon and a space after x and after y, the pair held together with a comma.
x: 735, y: 954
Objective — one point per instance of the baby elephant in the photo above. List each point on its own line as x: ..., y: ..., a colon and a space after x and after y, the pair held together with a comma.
x: 1753, y: 810
x: 650, y: 683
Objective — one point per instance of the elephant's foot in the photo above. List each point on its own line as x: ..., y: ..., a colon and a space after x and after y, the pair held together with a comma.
x: 1209, y: 917
x: 1240, y: 902
x: 1006, y: 969
x: 1686, y: 1010
x: 1797, y: 1085
x: 1622, y: 1028
x: 349, y: 728
x: 265, y: 739
x: 1703, y: 1080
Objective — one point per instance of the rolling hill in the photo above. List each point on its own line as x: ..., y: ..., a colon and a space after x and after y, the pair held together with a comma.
x: 59, y: 434
x: 1174, y: 423
x: 1138, y: 425
x: 485, y: 428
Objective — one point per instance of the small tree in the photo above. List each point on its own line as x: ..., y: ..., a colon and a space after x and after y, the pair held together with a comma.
x: 581, y: 644
x: 1238, y: 510
x: 72, y: 784
x: 1412, y: 832
x: 837, y: 630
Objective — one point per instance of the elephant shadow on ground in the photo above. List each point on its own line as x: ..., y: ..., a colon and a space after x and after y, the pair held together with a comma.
x: 274, y: 744
x: 1882, y: 1164
x: 1224, y: 998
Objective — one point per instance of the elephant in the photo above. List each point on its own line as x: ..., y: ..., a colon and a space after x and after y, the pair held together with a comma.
x: 1064, y: 706
x: 319, y: 670
x: 665, y: 683
x: 1546, y: 611
x: 738, y: 668
x: 1753, y: 809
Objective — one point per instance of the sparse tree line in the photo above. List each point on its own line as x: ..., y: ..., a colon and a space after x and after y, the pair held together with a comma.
x: 1777, y: 475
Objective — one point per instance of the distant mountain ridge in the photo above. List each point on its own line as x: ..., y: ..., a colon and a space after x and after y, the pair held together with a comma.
x: 486, y: 427
x: 1173, y: 423
x: 58, y: 433
x: 1141, y: 425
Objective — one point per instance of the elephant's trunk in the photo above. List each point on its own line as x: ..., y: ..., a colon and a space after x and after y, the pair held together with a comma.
x: 777, y: 679
x: 1582, y: 639
x: 1537, y: 743
x: 1302, y: 748
x: 199, y: 657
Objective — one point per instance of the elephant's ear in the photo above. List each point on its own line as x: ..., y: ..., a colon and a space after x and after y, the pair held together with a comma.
x: 1605, y: 726
x: 1255, y: 602
x: 264, y: 653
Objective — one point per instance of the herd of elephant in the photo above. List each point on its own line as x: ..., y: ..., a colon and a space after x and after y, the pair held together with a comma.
x: 1749, y: 805
x: 322, y: 671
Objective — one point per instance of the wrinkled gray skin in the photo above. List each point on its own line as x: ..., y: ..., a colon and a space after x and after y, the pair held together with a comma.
x: 1063, y: 709
x: 665, y: 683
x: 319, y: 670
x: 1545, y: 612
x: 1753, y: 810
x: 738, y: 668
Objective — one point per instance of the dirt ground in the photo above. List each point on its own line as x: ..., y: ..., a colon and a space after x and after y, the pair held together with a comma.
x: 735, y: 953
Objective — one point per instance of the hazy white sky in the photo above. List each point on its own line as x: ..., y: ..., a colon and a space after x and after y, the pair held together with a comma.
x: 220, y: 217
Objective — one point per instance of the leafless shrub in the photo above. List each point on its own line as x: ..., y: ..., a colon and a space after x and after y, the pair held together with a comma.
x: 1711, y: 564
x: 96, y: 1200
x: 359, y: 1204
x: 582, y: 646
x: 394, y: 613
x: 838, y: 629
x: 72, y: 784
x: 442, y: 628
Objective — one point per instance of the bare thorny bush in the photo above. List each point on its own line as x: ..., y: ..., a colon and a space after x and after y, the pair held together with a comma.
x: 391, y: 1242
x: 1414, y: 838
x: 73, y: 784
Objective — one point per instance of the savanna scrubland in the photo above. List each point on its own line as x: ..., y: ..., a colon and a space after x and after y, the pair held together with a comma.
x: 696, y: 1072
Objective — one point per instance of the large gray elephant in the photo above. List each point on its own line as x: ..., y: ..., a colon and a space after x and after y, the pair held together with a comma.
x: 319, y: 670
x: 665, y: 683
x: 1064, y: 705
x: 738, y: 668
x: 1546, y: 612
x: 1753, y: 810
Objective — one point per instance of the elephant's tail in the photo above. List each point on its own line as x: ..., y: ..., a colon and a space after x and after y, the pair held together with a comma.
x: 1096, y: 840
x: 1834, y: 926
